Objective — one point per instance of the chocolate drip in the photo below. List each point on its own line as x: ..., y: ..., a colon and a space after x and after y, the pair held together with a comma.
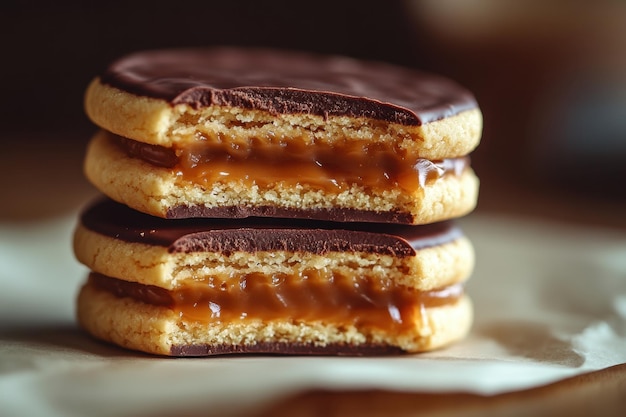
x: 289, y: 82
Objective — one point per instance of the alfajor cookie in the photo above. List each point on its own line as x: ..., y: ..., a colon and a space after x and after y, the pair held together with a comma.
x: 196, y: 287
x: 235, y: 133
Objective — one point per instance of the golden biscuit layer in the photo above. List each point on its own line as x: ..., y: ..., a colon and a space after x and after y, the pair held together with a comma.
x: 430, y: 268
x: 155, y: 121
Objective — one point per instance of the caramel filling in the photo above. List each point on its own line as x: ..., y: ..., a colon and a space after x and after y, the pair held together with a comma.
x: 331, y: 168
x: 309, y: 296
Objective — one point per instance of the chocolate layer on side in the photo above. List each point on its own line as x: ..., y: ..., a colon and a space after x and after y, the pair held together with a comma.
x: 263, y: 234
x: 289, y: 83
x: 335, y: 214
x: 287, y: 349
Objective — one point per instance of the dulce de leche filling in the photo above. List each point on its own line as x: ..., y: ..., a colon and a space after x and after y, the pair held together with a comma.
x: 332, y: 168
x: 307, y: 296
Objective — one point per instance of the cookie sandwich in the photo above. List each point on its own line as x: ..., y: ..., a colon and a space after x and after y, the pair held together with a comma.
x: 276, y: 202
x: 231, y: 133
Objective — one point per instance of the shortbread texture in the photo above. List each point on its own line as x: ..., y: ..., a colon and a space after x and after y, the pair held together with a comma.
x: 158, y: 122
x: 429, y: 269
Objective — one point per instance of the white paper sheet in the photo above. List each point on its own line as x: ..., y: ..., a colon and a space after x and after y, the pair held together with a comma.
x: 550, y: 302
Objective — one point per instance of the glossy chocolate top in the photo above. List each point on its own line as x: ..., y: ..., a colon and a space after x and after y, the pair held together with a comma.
x: 263, y: 234
x: 289, y: 82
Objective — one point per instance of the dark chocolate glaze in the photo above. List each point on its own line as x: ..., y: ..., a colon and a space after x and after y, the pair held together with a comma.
x: 287, y: 349
x: 283, y: 82
x: 335, y: 214
x: 263, y: 234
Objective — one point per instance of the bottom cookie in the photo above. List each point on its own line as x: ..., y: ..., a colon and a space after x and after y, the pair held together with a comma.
x: 149, y: 327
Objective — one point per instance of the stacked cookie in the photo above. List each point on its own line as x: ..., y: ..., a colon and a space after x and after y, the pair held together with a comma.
x: 275, y: 202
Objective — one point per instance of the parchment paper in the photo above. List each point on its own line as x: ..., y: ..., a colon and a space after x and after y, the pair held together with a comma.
x: 550, y: 303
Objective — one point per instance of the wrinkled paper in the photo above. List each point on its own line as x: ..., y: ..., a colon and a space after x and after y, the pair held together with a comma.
x: 549, y: 299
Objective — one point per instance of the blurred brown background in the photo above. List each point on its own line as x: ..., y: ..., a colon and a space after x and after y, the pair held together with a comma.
x: 550, y: 77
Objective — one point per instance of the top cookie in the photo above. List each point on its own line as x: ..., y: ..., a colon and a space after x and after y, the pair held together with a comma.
x: 177, y: 97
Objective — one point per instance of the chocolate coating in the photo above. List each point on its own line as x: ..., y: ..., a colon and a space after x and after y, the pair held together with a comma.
x: 287, y: 349
x: 263, y: 234
x: 288, y: 82
x: 335, y: 214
